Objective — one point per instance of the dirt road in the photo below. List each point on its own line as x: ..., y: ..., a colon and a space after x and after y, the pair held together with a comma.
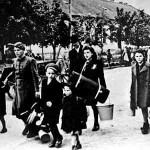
x: 123, y: 132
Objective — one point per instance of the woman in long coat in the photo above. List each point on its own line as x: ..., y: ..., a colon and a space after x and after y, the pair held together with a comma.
x: 140, y: 87
x: 93, y: 69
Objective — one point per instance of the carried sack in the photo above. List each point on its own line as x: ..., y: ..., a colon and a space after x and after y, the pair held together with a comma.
x: 89, y: 89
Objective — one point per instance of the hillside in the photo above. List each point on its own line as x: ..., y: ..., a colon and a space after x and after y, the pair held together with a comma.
x: 93, y: 7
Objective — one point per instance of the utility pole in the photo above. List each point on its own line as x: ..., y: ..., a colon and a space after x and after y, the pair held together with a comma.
x: 70, y: 15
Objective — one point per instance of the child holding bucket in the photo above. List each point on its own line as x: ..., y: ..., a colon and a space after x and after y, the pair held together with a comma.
x: 71, y: 121
x: 140, y: 88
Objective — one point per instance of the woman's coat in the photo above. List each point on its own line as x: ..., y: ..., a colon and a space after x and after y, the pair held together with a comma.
x: 140, y: 87
x: 94, y: 71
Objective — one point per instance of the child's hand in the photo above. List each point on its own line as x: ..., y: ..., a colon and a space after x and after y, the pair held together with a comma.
x: 49, y: 104
x: 5, y: 81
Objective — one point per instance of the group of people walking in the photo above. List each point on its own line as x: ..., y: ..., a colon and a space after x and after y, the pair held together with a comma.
x: 52, y: 96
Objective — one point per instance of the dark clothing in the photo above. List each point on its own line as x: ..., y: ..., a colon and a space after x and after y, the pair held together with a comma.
x: 30, y: 55
x: 26, y: 84
x: 51, y: 92
x: 55, y: 132
x: 109, y: 56
x: 76, y: 63
x: 76, y: 60
x: 9, y: 55
x: 71, y: 120
x: 38, y: 57
x: 3, y: 90
x: 94, y: 70
x: 140, y: 86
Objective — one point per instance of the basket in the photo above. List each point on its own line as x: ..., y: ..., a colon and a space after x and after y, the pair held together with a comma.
x: 106, y: 112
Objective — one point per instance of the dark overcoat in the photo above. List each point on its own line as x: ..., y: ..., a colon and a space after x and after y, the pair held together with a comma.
x: 140, y: 86
x: 76, y: 60
x: 71, y: 120
x: 3, y: 90
x: 94, y: 70
x: 51, y: 92
x: 26, y: 84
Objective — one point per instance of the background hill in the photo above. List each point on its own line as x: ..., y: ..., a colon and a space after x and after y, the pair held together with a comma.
x: 90, y: 7
x: 94, y: 7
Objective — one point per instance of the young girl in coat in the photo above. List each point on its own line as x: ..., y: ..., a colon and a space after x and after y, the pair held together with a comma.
x: 3, y: 89
x: 140, y: 88
x: 71, y: 121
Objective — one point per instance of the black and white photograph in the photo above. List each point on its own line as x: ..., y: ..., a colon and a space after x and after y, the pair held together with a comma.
x: 74, y: 74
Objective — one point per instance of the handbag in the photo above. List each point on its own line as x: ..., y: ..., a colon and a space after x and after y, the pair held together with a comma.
x: 102, y: 93
x: 102, y: 96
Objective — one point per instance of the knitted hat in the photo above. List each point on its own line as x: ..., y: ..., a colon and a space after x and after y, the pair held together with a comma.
x: 52, y: 66
x: 19, y: 45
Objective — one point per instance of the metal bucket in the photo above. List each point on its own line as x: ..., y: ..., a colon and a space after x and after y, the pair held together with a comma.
x: 106, y: 112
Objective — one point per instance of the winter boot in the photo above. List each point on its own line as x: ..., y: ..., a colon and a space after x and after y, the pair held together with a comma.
x: 145, y: 128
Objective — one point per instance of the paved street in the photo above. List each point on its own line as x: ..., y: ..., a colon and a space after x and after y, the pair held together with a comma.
x: 123, y: 132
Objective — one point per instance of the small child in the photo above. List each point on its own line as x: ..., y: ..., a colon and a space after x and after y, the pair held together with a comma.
x: 109, y: 57
x: 3, y: 89
x: 71, y: 121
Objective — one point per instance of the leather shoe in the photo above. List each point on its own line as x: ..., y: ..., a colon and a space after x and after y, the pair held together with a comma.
x: 4, y: 130
x: 52, y: 143
x: 58, y: 143
x: 96, y: 127
x: 74, y: 147
x: 78, y: 146
x: 80, y: 132
x: 25, y: 131
x: 145, y: 128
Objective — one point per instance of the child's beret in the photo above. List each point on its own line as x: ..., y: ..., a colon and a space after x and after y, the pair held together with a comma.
x: 52, y: 66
